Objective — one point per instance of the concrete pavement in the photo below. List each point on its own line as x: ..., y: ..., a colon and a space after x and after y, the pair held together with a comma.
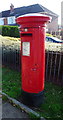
x: 0, y: 107
x: 9, y: 111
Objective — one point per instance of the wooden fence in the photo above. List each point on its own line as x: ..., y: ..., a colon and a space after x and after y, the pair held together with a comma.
x: 11, y: 58
x: 53, y: 64
x: 54, y: 67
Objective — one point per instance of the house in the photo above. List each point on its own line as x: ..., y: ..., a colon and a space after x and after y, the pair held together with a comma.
x: 62, y: 14
x: 8, y: 17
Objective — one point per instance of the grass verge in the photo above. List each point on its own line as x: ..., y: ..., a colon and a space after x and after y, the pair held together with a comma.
x: 52, y: 107
x: 11, y: 82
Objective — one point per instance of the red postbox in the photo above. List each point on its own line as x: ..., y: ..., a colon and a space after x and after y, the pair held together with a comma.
x: 32, y: 32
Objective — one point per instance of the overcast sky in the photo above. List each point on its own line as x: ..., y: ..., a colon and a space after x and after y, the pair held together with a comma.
x: 53, y: 5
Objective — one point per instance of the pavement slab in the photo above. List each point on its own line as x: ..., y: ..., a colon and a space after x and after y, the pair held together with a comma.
x: 9, y: 111
x: 0, y: 107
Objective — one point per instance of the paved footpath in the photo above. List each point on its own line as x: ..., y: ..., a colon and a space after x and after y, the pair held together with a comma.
x: 9, y: 111
x: 0, y: 107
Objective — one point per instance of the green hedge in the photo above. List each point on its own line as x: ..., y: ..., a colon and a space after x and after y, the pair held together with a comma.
x: 11, y: 31
x: 62, y: 34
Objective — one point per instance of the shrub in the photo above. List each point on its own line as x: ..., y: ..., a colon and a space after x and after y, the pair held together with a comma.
x: 47, y: 34
x: 0, y: 30
x: 62, y: 34
x: 11, y: 31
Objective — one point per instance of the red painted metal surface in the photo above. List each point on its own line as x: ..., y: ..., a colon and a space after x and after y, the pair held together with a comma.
x: 32, y: 31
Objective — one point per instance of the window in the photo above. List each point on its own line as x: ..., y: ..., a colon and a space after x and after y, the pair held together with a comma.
x: 11, y: 20
x: 1, y: 21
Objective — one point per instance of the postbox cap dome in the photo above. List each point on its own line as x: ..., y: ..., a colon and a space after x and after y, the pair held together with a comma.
x: 33, y: 14
x: 33, y: 17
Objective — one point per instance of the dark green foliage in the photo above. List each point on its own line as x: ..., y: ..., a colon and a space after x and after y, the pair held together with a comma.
x: 62, y: 34
x: 0, y: 30
x: 11, y: 31
x: 33, y: 117
x: 53, y: 105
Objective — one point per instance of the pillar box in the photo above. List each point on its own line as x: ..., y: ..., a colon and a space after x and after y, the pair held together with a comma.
x: 32, y: 33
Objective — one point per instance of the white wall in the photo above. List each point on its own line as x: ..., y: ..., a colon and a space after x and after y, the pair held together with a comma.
x: 53, y: 26
x: 1, y: 21
x: 11, y: 20
x: 62, y: 13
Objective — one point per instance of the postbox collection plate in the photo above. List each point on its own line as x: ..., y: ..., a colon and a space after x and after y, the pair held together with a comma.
x: 26, y: 48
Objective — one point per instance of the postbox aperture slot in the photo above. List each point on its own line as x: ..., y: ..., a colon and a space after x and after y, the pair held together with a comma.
x: 26, y: 34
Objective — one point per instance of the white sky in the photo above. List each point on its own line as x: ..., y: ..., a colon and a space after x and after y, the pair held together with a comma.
x: 53, y: 5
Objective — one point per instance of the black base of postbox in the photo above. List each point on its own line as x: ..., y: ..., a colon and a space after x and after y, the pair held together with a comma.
x: 33, y: 99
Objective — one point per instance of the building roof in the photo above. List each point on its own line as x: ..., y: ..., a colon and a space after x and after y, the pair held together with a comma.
x: 35, y: 8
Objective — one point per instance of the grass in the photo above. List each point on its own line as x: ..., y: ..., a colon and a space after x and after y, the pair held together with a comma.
x: 11, y: 82
x: 33, y: 117
x: 52, y: 107
x: 0, y: 78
